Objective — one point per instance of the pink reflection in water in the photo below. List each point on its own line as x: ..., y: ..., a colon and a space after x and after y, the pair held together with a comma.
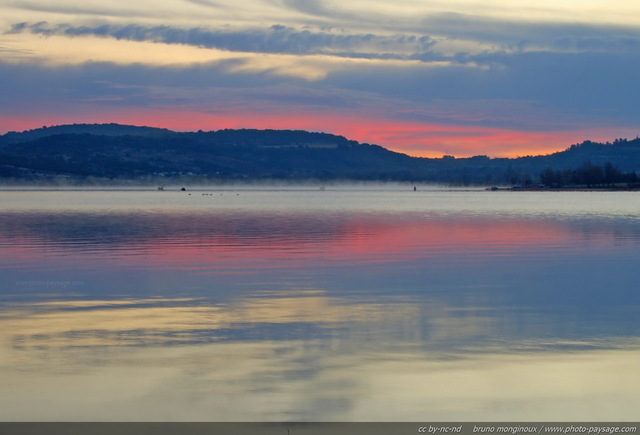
x: 227, y: 241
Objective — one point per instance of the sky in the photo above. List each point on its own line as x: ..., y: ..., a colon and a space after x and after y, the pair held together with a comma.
x: 427, y: 78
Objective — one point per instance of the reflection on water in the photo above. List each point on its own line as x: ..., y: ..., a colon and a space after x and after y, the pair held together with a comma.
x: 335, y: 306
x: 300, y: 357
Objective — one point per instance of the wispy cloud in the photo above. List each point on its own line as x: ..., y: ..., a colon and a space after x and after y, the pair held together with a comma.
x: 78, y: 9
x: 275, y: 39
x: 207, y: 3
x: 516, y: 35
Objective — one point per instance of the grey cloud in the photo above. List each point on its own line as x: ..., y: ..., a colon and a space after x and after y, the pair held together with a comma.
x: 276, y: 39
x: 503, y: 34
x: 522, y: 36
x: 570, y: 87
x: 29, y: 87
x: 317, y: 13
x: 604, y: 43
x: 279, y: 39
x: 207, y: 3
x: 600, y: 81
x: 311, y: 7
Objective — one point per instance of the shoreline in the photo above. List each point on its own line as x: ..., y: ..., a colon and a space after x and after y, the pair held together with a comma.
x: 564, y: 189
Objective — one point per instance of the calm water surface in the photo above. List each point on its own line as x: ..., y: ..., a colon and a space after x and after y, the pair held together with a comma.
x: 349, y: 304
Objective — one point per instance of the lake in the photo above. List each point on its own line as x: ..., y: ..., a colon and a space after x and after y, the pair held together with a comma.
x: 352, y: 303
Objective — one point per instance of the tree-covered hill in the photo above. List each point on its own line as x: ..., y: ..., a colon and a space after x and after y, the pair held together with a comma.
x: 232, y: 154
x: 93, y: 129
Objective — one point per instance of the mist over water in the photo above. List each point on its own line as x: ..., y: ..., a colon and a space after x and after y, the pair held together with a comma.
x: 291, y: 303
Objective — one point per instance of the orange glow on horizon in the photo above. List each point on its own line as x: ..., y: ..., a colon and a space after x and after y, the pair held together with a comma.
x: 409, y: 137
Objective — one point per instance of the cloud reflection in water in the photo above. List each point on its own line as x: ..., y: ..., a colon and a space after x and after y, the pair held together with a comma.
x: 298, y: 357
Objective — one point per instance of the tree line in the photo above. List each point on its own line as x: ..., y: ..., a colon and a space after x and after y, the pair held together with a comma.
x: 588, y: 175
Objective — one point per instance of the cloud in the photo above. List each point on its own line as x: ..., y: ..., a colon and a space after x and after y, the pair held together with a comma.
x: 277, y: 39
x: 456, y: 39
x: 87, y: 9
x: 207, y: 3
x: 311, y: 7
x: 493, y: 34
x: 10, y: 52
x: 406, y: 30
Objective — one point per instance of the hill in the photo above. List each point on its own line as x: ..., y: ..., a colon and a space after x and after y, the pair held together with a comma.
x: 113, y: 151
x: 93, y: 129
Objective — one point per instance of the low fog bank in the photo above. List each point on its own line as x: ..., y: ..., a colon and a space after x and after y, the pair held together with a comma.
x: 205, y: 185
